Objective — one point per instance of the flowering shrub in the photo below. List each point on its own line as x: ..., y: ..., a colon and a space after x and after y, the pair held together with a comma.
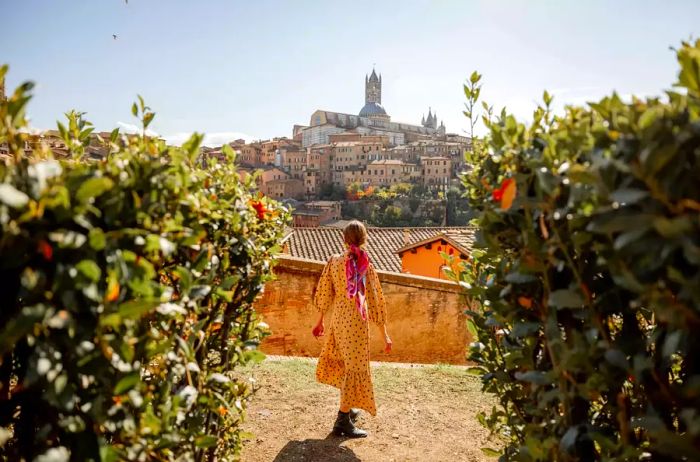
x: 126, y: 295
x: 587, y: 275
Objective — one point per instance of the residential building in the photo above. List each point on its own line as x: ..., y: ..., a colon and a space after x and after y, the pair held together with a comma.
x: 284, y: 188
x: 293, y: 160
x: 382, y: 173
x: 437, y: 172
x: 318, y: 168
x: 429, y: 257
x: 314, y: 214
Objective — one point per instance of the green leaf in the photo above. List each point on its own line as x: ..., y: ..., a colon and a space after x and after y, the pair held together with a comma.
x: 517, y: 277
x: 547, y: 98
x: 110, y: 454
x: 471, y: 327
x: 136, y: 308
x: 536, y: 377
x: 229, y: 153
x: 111, y: 320
x: 479, y: 371
x: 93, y: 188
x: 673, y: 227
x: 475, y: 77
x: 148, y: 118
x: 97, y: 239
x: 89, y: 269
x: 13, y: 197
x: 617, y: 358
x: 565, y: 298
x: 629, y: 195
x: 134, y: 110
x: 206, y: 441
x: 491, y: 452
x: 569, y: 440
x: 114, y: 135
x: 126, y: 383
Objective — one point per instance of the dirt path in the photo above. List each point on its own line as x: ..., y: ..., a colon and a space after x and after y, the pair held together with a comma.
x: 425, y: 413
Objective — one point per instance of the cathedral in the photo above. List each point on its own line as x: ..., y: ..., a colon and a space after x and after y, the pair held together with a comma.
x: 371, y: 120
x: 373, y: 98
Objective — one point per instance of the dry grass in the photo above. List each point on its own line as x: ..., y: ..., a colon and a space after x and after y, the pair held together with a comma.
x: 425, y: 413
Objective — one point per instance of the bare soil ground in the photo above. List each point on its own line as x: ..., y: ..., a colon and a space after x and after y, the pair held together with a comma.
x: 425, y: 413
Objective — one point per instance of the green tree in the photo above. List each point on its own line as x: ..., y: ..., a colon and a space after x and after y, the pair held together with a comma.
x: 127, y: 291
x: 586, y: 277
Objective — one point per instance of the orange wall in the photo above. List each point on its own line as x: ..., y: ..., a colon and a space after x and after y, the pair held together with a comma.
x: 428, y: 262
x: 426, y: 317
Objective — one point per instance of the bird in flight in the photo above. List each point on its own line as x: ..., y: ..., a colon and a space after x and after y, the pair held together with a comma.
x: 115, y: 36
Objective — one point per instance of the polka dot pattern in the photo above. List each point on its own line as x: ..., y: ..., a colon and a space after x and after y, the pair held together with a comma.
x: 344, y: 360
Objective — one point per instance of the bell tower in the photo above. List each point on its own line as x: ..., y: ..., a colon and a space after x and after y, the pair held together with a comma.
x: 373, y: 88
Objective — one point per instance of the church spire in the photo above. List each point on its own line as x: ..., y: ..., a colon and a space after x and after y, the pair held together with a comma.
x: 373, y: 88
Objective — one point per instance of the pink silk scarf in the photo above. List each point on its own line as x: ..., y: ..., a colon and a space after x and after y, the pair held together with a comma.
x: 356, y: 266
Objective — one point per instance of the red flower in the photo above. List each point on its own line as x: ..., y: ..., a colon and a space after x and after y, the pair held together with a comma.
x: 46, y: 250
x: 497, y: 194
x: 506, y: 193
x: 260, y: 208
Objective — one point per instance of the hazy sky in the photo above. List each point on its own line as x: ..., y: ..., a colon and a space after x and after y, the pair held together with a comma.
x: 257, y: 67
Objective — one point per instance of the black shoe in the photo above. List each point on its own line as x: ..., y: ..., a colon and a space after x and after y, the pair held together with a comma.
x: 344, y: 427
x: 354, y: 415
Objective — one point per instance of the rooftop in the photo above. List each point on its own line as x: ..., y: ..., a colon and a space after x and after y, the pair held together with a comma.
x: 320, y: 243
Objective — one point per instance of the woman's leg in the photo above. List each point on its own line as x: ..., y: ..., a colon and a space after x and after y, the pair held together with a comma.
x: 343, y: 407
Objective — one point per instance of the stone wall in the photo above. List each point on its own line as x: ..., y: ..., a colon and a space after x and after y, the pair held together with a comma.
x: 425, y: 316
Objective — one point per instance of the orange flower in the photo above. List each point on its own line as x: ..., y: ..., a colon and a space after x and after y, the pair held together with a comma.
x: 260, y: 208
x: 46, y: 250
x: 112, y: 291
x: 525, y: 302
x: 222, y: 411
x: 506, y: 193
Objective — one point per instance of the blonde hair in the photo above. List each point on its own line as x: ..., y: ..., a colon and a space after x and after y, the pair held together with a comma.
x: 355, y: 233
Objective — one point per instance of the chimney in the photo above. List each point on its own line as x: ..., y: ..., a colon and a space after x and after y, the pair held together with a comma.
x: 406, y: 236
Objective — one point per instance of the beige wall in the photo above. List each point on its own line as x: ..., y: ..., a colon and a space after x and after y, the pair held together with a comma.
x: 437, y: 171
x: 425, y: 316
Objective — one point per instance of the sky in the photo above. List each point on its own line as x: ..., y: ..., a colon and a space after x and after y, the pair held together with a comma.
x: 254, y: 68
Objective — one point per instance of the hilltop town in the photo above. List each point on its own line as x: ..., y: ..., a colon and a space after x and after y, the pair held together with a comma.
x: 337, y: 156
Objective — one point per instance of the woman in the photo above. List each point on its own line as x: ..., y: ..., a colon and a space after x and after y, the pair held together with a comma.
x: 349, y: 284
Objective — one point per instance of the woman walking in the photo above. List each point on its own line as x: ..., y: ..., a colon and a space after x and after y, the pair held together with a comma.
x: 350, y: 286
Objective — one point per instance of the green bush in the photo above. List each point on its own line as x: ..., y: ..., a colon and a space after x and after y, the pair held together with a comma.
x: 587, y: 285
x: 126, y: 297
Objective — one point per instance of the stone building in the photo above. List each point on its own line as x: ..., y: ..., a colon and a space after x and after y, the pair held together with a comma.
x: 287, y: 188
x: 437, y: 172
x: 316, y: 213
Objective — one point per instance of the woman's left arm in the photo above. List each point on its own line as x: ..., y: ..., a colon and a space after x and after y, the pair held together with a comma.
x: 377, y: 305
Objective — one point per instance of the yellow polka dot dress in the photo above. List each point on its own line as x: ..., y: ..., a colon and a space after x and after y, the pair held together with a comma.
x: 344, y: 360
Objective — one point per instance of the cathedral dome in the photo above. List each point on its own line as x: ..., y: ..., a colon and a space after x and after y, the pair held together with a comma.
x: 372, y: 109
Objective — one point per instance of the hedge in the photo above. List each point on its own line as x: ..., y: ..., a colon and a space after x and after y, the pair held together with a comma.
x: 126, y: 295
x: 586, y: 276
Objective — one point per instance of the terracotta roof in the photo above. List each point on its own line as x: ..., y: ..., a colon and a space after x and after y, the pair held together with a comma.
x: 320, y: 243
